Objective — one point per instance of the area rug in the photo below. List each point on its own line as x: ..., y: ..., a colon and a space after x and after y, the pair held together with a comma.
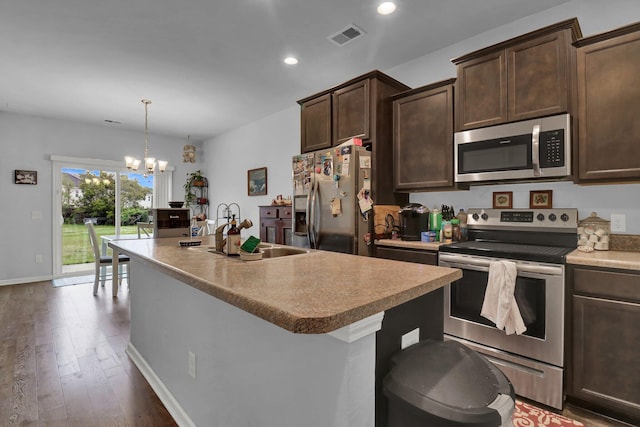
x: 527, y: 415
x: 76, y: 280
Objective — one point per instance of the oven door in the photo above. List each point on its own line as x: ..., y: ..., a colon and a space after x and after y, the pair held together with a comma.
x: 539, y: 292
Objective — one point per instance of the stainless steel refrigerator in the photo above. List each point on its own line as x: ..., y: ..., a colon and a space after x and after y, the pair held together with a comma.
x: 331, y: 199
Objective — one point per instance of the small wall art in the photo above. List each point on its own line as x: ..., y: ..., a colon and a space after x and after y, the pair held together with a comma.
x: 257, y: 182
x: 26, y: 177
x: 503, y: 200
x: 540, y: 199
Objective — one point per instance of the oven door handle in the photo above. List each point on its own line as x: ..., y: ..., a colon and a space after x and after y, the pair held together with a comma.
x: 483, y: 265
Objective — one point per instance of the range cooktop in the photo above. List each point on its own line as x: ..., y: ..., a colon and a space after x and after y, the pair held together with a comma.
x: 538, y: 235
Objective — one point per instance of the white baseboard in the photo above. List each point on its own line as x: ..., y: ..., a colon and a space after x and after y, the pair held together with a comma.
x: 165, y: 396
x: 25, y: 280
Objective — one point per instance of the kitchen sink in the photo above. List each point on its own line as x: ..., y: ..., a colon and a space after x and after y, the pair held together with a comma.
x: 268, y: 251
x: 280, y: 251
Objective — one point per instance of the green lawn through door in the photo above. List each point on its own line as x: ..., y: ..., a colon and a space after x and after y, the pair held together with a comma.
x: 76, y: 247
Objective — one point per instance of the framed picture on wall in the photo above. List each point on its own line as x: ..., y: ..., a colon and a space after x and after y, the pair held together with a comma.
x: 26, y: 177
x: 503, y: 200
x: 257, y: 182
x: 541, y: 199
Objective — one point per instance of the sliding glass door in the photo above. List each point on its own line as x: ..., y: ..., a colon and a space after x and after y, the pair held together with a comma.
x: 109, y: 196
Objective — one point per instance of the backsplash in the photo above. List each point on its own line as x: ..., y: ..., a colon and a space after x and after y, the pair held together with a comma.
x: 625, y: 242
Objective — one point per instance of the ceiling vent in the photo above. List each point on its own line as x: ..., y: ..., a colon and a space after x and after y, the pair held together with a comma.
x: 346, y: 35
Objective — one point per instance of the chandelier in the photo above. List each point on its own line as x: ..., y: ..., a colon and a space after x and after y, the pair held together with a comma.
x: 149, y: 162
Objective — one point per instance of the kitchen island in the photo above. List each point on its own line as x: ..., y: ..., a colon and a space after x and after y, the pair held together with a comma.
x: 288, y: 341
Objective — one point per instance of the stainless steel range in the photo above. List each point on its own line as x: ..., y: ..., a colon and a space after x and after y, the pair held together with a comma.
x: 537, y: 240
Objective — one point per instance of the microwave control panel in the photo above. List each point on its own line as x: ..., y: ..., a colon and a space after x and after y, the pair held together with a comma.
x: 552, y: 153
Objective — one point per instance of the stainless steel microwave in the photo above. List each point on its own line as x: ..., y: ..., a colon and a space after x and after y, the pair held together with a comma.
x: 531, y: 149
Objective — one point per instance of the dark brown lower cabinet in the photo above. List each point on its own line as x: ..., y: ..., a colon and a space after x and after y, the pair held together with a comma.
x: 604, y: 349
x: 405, y: 254
x: 403, y: 319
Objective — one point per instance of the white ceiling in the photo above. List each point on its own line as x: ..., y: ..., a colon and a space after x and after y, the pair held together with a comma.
x: 210, y: 65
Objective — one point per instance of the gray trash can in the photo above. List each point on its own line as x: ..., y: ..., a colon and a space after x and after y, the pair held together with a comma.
x: 444, y: 383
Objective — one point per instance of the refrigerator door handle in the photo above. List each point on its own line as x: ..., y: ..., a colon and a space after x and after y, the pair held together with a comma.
x: 309, y: 218
x: 314, y: 225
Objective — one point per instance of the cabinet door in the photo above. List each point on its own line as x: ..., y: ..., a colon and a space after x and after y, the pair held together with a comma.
x: 285, y: 233
x: 423, y: 140
x: 268, y: 230
x: 608, y: 106
x: 315, y: 122
x: 408, y: 255
x: 538, y: 77
x: 481, y: 92
x: 606, y: 345
x: 351, y: 112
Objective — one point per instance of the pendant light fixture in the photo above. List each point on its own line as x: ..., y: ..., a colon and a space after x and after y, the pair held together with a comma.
x: 149, y: 162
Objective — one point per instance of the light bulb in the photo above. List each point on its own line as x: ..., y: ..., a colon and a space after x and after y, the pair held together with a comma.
x: 386, y: 8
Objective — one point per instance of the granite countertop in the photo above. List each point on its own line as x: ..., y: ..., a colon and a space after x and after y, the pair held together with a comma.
x: 611, y: 259
x: 312, y: 293
x: 425, y: 246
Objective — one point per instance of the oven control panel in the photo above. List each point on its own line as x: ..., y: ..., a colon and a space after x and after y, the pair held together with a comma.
x: 563, y: 219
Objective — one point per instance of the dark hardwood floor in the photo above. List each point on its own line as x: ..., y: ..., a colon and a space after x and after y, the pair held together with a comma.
x: 63, y: 361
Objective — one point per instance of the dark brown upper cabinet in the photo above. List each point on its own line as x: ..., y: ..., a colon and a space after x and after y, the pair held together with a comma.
x: 529, y: 76
x: 315, y: 121
x: 609, y: 106
x: 423, y: 138
x: 351, y: 112
x: 360, y: 107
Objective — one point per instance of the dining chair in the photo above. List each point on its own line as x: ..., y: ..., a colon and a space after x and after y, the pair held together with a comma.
x: 104, y: 261
x: 146, y: 228
x: 206, y: 227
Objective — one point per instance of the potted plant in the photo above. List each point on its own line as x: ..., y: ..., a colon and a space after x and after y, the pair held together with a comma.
x: 194, y: 179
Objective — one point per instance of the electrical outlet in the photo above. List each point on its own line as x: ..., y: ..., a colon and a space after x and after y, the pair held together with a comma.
x: 410, y: 338
x: 38, y: 259
x: 618, y: 223
x: 191, y: 365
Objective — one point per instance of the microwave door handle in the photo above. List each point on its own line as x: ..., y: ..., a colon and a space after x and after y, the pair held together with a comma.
x: 535, y: 155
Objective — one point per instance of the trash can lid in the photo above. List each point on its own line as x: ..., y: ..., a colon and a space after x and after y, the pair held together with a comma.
x: 448, y: 380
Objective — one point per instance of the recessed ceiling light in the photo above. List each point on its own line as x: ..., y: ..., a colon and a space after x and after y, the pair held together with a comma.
x: 290, y: 60
x: 386, y: 8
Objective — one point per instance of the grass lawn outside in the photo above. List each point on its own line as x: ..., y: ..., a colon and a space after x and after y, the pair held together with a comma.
x: 76, y: 247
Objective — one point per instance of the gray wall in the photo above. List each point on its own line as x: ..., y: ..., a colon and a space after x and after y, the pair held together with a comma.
x: 27, y: 143
x: 605, y: 200
x: 271, y: 141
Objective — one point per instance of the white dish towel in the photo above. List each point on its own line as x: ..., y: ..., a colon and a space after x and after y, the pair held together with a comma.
x: 499, y: 303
